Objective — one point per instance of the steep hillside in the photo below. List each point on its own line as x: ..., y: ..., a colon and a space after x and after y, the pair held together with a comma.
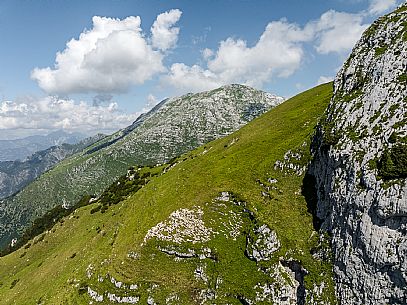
x: 14, y: 175
x: 227, y: 223
x: 361, y: 167
x: 175, y: 126
x: 19, y: 149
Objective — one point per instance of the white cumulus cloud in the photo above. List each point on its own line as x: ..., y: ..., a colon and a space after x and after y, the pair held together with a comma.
x: 324, y: 79
x: 337, y: 31
x: 207, y: 53
x: 191, y: 79
x: 164, y: 34
x: 110, y: 57
x: 378, y: 7
x: 50, y: 113
x: 277, y: 52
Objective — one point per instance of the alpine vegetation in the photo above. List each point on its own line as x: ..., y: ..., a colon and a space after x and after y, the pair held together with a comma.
x: 173, y: 127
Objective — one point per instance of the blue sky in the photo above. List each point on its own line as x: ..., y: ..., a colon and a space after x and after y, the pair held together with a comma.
x: 117, y: 67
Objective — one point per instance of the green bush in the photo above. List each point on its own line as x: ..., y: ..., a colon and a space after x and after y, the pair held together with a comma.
x: 96, y: 209
x: 121, y: 189
x: 380, y: 51
x: 393, y: 163
x: 14, y: 283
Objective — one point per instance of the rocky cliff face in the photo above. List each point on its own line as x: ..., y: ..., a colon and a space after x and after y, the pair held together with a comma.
x: 360, y: 167
x: 175, y: 126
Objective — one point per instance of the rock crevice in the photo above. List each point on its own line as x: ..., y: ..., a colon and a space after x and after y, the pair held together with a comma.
x: 360, y: 184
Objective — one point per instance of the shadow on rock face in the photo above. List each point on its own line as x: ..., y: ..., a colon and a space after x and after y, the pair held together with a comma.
x: 309, y: 191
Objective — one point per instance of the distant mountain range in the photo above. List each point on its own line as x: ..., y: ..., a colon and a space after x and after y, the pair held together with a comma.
x: 14, y: 175
x: 173, y: 127
x: 19, y: 149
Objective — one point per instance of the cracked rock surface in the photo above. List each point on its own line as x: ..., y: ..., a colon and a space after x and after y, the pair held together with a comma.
x: 360, y: 167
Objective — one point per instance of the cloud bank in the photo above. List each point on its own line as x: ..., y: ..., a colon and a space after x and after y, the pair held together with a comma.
x: 279, y: 52
x: 110, y: 57
x: 51, y: 113
x: 337, y: 32
x: 378, y: 7
x: 164, y: 34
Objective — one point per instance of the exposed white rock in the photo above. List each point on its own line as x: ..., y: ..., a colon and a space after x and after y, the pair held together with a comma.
x: 150, y: 300
x: 291, y: 164
x: 94, y: 295
x: 228, y: 223
x: 200, y: 274
x: 172, y: 299
x: 224, y: 196
x: 366, y: 217
x: 281, y: 290
x: 263, y: 244
x: 89, y: 271
x: 122, y: 300
x: 116, y: 283
x: 133, y: 255
x: 133, y: 287
x: 206, y: 295
x: 183, y: 225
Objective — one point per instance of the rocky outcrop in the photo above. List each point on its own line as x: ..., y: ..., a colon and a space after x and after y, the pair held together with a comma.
x: 206, y: 238
x: 262, y: 244
x: 360, y: 167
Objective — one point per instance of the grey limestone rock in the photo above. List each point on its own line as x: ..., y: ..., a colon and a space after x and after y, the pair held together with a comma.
x: 263, y: 244
x: 359, y: 203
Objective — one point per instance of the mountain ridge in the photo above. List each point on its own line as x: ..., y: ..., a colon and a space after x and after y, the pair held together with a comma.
x: 237, y: 205
x: 20, y: 149
x: 176, y: 126
x: 15, y: 175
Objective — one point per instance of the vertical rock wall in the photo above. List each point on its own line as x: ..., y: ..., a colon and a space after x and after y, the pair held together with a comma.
x: 360, y: 167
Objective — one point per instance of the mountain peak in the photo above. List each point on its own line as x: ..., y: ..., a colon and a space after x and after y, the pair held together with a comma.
x: 173, y: 127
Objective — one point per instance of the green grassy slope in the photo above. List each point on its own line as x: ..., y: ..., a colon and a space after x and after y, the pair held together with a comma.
x: 173, y: 127
x: 86, y: 253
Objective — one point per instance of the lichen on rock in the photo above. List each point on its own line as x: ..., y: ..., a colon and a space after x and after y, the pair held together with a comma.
x: 363, y: 207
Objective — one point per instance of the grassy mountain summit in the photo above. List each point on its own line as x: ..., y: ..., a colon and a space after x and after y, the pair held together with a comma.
x: 227, y: 223
x: 173, y: 127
